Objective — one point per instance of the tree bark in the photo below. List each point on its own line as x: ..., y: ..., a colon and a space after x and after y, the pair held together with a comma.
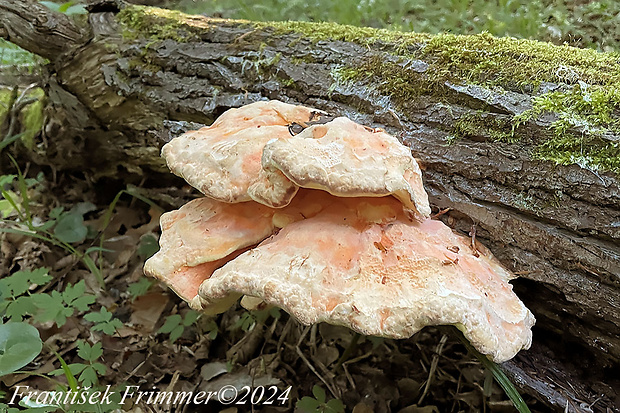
x: 135, y: 78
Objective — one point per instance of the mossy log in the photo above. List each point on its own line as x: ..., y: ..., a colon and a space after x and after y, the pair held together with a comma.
x: 520, y: 139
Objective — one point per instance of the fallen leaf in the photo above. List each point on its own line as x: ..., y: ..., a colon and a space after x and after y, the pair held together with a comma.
x: 147, y: 309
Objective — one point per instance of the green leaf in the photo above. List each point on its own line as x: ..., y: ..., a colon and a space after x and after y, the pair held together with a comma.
x: 212, y: 334
x: 51, y: 307
x: 20, y: 343
x: 139, y: 288
x: 10, y: 204
x: 275, y: 313
x: 88, y: 352
x: 70, y: 376
x: 74, y: 368
x: 82, y: 208
x: 319, y: 393
x: 176, y: 333
x: 170, y: 324
x: 21, y: 281
x: 23, y: 189
x: 498, y: 374
x: 190, y: 318
x: 212, y: 328
x: 6, y: 180
x: 40, y: 276
x: 55, y: 213
x: 83, y: 303
x: 104, y: 322
x: 109, y: 327
x: 77, y: 9
x: 99, y: 368
x: 70, y: 228
x: 64, y: 6
x: 50, y: 5
x: 92, y: 267
x: 335, y: 405
x: 7, y: 409
x: 73, y: 292
x: 9, y: 140
x: 308, y: 405
x: 102, y: 316
x: 88, y: 377
x: 148, y: 246
x: 20, y: 307
x: 45, y: 226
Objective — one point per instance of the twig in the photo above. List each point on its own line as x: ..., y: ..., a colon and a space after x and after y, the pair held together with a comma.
x: 17, y: 106
x: 433, y: 368
x: 311, y: 367
x: 348, y: 351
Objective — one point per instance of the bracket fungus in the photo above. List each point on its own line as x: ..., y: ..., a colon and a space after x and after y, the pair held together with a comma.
x: 350, y: 160
x: 223, y: 161
x: 345, y: 249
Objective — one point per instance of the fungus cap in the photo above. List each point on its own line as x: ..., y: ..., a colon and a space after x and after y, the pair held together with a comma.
x: 349, y: 160
x: 223, y: 161
x: 363, y: 264
x: 204, y: 234
x: 201, y: 232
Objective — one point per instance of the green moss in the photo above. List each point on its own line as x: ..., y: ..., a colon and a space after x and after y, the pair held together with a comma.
x: 32, y: 118
x: 587, y: 151
x: 480, y: 59
x: 333, y: 31
x: 484, y: 125
x: 5, y: 101
x: 143, y: 65
x: 394, y: 79
x: 583, y: 116
x: 527, y: 202
x: 161, y: 24
x: 487, y: 60
x: 591, y: 106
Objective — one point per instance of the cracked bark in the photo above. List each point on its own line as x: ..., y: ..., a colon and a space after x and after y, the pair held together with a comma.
x: 556, y: 226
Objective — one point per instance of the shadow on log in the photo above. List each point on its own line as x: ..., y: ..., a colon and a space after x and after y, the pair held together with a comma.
x: 519, y: 139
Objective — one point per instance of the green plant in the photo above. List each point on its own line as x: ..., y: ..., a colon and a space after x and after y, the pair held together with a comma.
x: 139, y: 288
x: 65, y: 229
x: 319, y: 404
x: 69, y: 8
x: 91, y: 370
x: 103, y: 321
x: 69, y: 225
x: 16, y: 302
x: 148, y: 246
x: 175, y: 324
x: 19, y: 345
x: 496, y: 371
x: 72, y: 227
x: 212, y: 329
x: 586, y: 24
x: 249, y: 319
x: 12, y: 55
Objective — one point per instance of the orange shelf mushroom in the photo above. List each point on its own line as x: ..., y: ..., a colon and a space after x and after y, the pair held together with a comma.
x: 356, y: 249
x: 350, y: 160
x: 223, y: 161
x: 362, y: 263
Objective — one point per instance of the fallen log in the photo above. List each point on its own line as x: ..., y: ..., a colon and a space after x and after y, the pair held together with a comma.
x: 520, y: 141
